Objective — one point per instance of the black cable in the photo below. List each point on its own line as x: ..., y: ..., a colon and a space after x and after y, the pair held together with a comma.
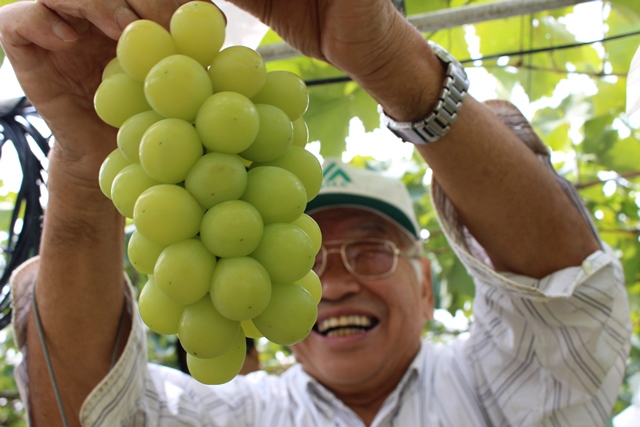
x: 343, y: 79
x: 24, y: 243
x: 552, y: 48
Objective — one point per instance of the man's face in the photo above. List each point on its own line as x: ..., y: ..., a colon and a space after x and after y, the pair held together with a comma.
x: 375, y: 325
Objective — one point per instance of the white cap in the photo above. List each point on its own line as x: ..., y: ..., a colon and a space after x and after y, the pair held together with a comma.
x: 345, y: 185
x: 633, y: 85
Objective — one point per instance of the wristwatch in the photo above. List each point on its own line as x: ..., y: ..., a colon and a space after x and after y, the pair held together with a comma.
x: 438, y: 123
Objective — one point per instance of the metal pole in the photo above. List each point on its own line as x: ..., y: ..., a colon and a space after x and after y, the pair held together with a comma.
x: 449, y: 18
x: 485, y: 12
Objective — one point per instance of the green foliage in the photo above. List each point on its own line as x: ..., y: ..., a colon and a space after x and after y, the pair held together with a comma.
x: 11, y: 407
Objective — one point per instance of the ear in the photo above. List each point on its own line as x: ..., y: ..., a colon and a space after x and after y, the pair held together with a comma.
x: 426, y: 296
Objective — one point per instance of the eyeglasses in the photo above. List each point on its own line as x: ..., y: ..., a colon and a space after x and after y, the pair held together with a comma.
x: 368, y: 259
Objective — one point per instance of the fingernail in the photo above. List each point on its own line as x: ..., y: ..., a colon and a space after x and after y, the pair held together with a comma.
x: 64, y: 32
x: 125, y: 16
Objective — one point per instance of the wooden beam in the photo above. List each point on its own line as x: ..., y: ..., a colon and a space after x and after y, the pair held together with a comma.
x: 449, y: 18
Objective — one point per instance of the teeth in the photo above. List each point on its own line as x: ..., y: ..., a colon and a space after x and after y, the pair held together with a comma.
x: 343, y: 332
x: 345, y: 321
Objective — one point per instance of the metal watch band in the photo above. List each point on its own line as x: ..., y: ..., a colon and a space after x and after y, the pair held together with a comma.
x: 439, y: 122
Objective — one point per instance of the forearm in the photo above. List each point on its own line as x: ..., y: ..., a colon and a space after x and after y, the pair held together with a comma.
x: 79, y: 288
x: 509, y: 201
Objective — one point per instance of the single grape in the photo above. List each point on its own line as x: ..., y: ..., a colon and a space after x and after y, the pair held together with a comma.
x: 143, y: 253
x: 142, y: 44
x: 169, y: 148
x: 311, y: 227
x: 250, y: 330
x: 157, y: 311
x: 303, y: 164
x: 166, y: 214
x: 240, y: 288
x: 311, y: 282
x: 276, y: 193
x: 110, y: 167
x: 285, y: 251
x: 184, y: 270
x: 177, y: 86
x: 119, y: 97
x: 231, y: 229
x: 289, y: 316
x: 204, y: 332
x: 112, y: 67
x: 221, y: 369
x: 285, y: 90
x: 238, y: 69
x: 227, y: 122
x: 127, y: 187
x: 300, y: 133
x: 274, y: 135
x: 216, y: 178
x: 131, y: 131
x: 198, y: 29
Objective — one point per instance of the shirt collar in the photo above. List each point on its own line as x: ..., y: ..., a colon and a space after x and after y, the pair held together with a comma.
x: 324, y: 397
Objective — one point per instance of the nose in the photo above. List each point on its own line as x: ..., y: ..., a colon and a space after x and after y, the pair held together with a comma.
x: 337, y: 281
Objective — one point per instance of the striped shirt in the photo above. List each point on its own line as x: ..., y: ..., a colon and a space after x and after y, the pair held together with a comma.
x: 547, y: 352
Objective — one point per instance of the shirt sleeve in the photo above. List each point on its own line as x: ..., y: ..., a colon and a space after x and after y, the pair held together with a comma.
x: 548, y: 351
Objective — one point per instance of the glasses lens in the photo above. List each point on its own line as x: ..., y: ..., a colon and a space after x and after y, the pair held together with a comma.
x: 370, y: 258
x: 318, y: 264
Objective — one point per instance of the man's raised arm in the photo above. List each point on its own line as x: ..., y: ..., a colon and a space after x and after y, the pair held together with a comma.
x: 506, y: 198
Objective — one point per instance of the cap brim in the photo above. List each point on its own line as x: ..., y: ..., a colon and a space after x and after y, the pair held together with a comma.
x: 333, y: 200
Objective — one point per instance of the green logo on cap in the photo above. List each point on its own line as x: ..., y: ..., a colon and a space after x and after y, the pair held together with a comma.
x: 333, y: 176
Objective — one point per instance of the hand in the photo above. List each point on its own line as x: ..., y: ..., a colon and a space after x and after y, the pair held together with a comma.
x: 356, y: 36
x: 58, y: 61
x: 58, y: 49
x: 112, y: 16
x: 369, y: 40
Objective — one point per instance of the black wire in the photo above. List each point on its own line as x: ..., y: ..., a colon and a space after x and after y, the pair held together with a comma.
x: 342, y: 79
x: 25, y: 243
x: 552, y: 48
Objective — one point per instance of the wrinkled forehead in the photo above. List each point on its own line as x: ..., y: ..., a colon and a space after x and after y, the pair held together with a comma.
x: 343, y: 222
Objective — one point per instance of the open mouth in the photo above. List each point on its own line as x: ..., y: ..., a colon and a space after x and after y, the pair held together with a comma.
x: 343, y: 326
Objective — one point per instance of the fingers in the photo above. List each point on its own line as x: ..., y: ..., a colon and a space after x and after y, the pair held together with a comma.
x: 112, y: 16
x: 109, y: 16
x: 24, y: 23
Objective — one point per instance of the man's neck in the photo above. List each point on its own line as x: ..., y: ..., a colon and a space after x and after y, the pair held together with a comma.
x: 368, y: 397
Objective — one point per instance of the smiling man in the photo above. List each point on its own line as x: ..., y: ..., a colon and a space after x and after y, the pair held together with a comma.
x: 376, y: 288
x: 551, y: 328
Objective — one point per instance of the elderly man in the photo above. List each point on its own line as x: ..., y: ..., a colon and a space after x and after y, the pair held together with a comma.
x: 551, y: 328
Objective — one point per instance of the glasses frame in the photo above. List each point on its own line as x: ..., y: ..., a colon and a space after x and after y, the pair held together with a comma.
x: 345, y: 262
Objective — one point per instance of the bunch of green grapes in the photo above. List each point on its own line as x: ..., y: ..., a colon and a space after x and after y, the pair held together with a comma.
x: 211, y: 166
